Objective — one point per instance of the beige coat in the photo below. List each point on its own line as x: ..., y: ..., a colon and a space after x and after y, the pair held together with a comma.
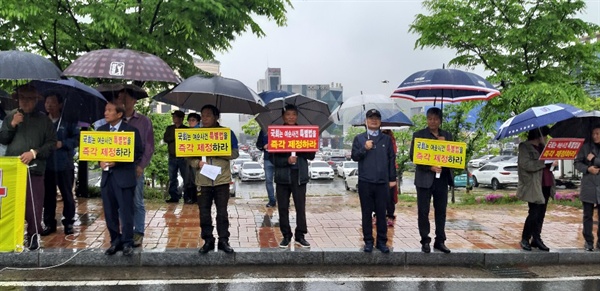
x: 529, y: 188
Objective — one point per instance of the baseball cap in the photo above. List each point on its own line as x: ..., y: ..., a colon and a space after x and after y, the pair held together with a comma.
x: 372, y: 112
x: 178, y: 113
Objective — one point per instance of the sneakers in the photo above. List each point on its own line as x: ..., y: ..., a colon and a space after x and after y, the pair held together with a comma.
x: 302, y: 242
x: 285, y: 242
x: 138, y: 240
x: 34, y: 242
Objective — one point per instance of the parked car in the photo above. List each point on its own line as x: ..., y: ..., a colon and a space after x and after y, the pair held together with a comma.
x: 351, y: 180
x: 501, y: 158
x: 237, y: 164
x: 478, y: 162
x: 497, y: 175
x: 344, y: 168
x: 461, y: 180
x: 320, y: 170
x: 334, y: 161
x: 251, y: 171
x: 245, y: 156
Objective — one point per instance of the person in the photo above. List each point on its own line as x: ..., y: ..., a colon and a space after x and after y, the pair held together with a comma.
x: 535, y: 186
x: 189, y: 188
x: 176, y: 164
x: 118, y: 185
x: 143, y: 124
x: 59, y: 168
x: 374, y: 153
x: 391, y: 204
x: 262, y: 143
x: 432, y: 181
x: 291, y: 177
x: 587, y: 163
x: 30, y: 135
x: 216, y: 190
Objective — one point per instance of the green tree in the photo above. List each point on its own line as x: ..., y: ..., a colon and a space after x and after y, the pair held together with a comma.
x: 403, y: 141
x: 173, y: 30
x: 352, y: 132
x: 532, y: 48
x: 251, y: 128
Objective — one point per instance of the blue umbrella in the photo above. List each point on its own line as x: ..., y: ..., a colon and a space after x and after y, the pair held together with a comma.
x: 389, y: 118
x: 80, y: 102
x: 445, y: 85
x: 536, y: 117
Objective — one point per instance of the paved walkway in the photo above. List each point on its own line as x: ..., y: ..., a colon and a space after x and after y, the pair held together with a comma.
x: 333, y: 222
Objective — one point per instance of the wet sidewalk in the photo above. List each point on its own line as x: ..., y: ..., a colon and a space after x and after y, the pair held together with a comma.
x: 479, y: 234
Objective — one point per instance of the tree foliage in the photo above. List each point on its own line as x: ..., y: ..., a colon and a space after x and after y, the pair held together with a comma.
x: 173, y: 30
x: 251, y: 128
x: 157, y: 170
x: 532, y: 48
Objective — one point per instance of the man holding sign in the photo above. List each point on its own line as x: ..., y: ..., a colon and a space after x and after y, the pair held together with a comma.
x: 432, y: 181
x: 118, y: 185
x: 376, y: 159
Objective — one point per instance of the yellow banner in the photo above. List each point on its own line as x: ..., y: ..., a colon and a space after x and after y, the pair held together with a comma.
x: 106, y: 146
x: 197, y: 142
x: 432, y: 152
x: 13, y: 188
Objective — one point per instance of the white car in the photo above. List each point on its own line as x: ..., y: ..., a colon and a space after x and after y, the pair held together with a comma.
x: 237, y: 165
x: 245, y: 156
x: 478, y: 162
x: 497, y: 175
x: 252, y: 171
x: 351, y: 180
x: 320, y: 170
x: 344, y: 168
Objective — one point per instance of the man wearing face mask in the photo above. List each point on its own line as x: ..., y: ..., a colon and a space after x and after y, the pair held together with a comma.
x: 432, y: 181
x: 376, y: 159
x: 30, y: 135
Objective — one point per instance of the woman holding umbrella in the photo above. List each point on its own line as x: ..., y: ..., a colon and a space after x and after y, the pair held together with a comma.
x: 588, y: 163
x: 536, y: 186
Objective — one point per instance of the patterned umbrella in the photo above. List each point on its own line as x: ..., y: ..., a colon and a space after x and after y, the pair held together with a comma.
x: 310, y: 112
x: 122, y: 64
x: 18, y: 65
x: 445, y: 85
x: 229, y: 95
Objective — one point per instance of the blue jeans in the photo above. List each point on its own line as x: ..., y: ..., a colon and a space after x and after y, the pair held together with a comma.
x: 269, y: 172
x: 139, y: 211
x: 175, y: 164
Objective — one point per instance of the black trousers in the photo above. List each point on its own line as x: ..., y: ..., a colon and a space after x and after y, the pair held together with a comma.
x: 190, y: 192
x: 588, y: 222
x: 391, y: 206
x: 220, y: 195
x: 64, y: 181
x: 439, y: 192
x: 535, y: 218
x: 374, y: 198
x: 118, y: 212
x: 298, y: 193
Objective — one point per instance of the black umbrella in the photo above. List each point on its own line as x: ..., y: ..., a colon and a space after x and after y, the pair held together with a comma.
x: 229, y: 95
x: 580, y: 126
x: 80, y: 102
x: 18, y: 65
x: 310, y: 112
x: 122, y: 64
x: 111, y: 91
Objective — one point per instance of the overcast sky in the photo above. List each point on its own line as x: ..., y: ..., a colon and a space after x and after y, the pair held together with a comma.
x: 355, y: 43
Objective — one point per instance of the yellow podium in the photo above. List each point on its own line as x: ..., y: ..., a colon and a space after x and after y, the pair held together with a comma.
x: 13, y: 189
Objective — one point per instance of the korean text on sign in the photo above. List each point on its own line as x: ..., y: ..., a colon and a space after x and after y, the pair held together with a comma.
x: 431, y: 152
x: 197, y: 142
x: 562, y: 149
x: 106, y: 146
x: 296, y: 138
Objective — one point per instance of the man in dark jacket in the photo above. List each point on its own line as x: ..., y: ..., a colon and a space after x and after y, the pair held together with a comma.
x: 30, y: 136
x: 432, y: 181
x: 376, y: 159
x: 59, y: 168
x: 176, y: 164
x: 291, y: 177
x: 118, y: 185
